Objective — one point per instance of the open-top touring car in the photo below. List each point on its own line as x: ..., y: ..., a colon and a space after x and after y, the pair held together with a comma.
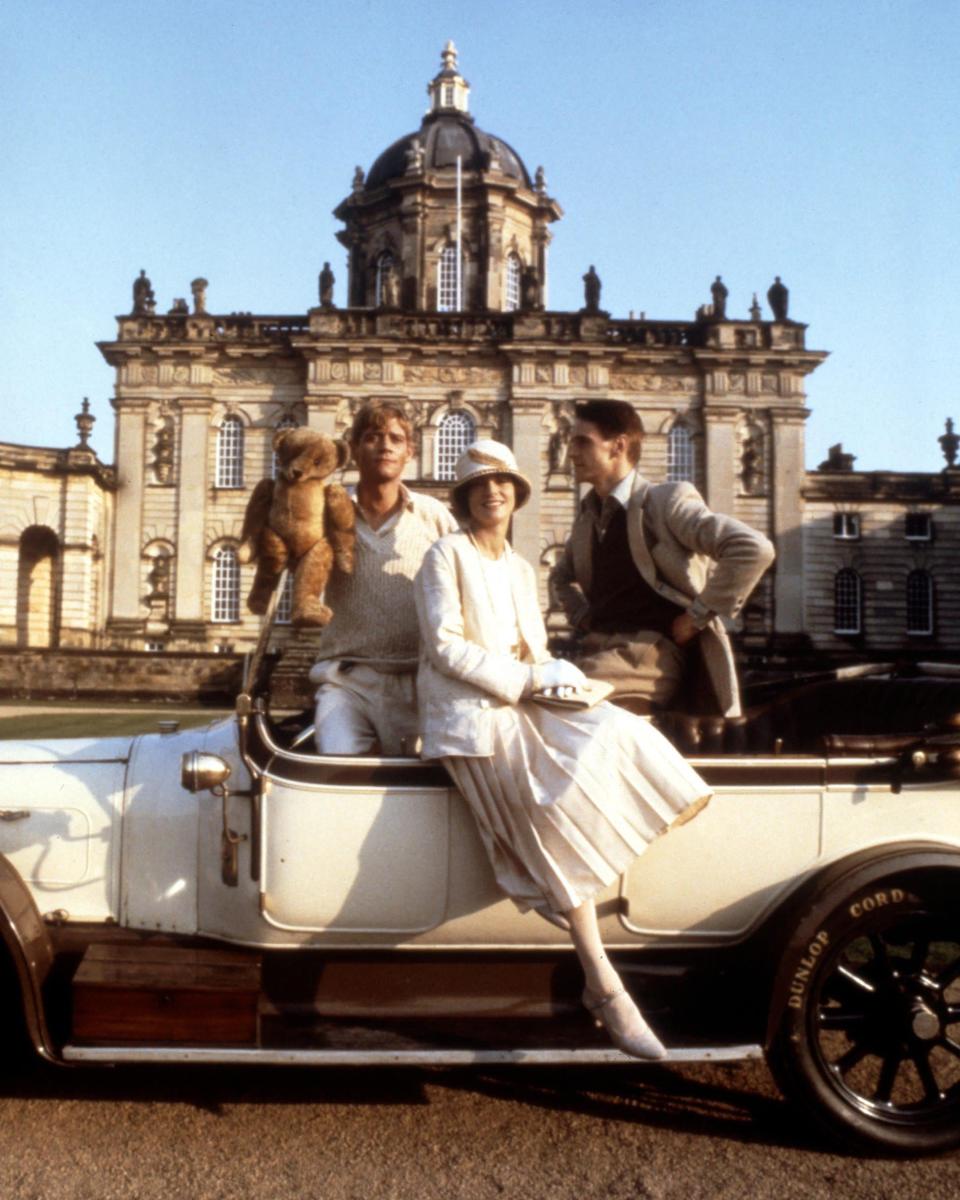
x: 226, y: 895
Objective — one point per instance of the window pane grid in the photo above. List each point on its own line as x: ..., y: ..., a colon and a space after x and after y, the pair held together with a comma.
x: 846, y: 602
x: 447, y: 298
x: 919, y: 602
x: 454, y: 434
x: 285, y: 603
x: 846, y: 526
x: 230, y: 453
x: 384, y: 266
x: 512, y: 290
x: 226, y: 585
x: 681, y: 464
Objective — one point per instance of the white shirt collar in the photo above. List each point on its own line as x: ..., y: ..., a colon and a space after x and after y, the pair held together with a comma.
x: 624, y: 489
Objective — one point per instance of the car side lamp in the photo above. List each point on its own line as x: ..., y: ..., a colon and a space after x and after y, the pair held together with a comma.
x: 201, y: 771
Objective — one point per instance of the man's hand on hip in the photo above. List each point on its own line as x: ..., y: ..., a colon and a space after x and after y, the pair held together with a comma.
x: 684, y: 629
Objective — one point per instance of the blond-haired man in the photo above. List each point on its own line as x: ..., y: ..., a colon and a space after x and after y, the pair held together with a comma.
x: 367, y: 662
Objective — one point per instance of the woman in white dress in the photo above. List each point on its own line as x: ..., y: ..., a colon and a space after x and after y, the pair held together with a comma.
x: 564, y: 799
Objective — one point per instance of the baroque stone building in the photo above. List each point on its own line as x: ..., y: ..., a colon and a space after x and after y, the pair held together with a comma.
x: 447, y: 314
x: 881, y: 551
x: 55, y: 527
x: 447, y: 237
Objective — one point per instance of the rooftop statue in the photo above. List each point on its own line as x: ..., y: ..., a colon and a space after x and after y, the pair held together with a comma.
x: 144, y: 301
x: 778, y: 298
x: 719, y: 292
x: 591, y: 291
x: 326, y: 282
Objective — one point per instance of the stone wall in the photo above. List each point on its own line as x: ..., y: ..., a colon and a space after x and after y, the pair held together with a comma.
x: 116, y: 675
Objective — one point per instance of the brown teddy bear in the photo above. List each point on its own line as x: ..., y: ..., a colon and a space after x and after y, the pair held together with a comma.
x: 299, y: 520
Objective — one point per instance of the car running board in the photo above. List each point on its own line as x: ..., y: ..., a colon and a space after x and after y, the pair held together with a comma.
x: 425, y: 1057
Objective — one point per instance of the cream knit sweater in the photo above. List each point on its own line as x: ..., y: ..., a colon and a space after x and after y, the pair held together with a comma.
x: 374, y: 615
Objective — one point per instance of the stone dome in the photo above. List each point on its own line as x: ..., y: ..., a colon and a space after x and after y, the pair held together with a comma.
x: 443, y: 137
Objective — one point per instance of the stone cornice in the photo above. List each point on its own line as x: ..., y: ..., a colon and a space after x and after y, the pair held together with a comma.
x: 358, y: 332
x: 941, y: 487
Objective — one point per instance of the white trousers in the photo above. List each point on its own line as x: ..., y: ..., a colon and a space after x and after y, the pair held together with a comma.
x: 364, y: 711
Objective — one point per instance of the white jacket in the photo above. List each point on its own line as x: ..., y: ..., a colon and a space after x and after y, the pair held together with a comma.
x: 462, y: 679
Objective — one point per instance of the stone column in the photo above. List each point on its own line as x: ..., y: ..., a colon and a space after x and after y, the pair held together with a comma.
x: 527, y: 438
x: 720, y: 454
x: 787, y: 478
x: 131, y: 420
x: 191, y: 508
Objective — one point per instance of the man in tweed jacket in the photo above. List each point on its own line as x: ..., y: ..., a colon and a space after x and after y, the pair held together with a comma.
x: 649, y: 571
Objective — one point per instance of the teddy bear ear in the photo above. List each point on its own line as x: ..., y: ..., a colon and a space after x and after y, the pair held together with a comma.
x: 343, y: 453
x: 279, y: 438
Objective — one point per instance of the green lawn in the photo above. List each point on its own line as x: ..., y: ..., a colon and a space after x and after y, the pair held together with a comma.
x: 84, y: 721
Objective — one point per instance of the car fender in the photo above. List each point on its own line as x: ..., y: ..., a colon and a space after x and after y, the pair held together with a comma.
x: 30, y: 953
x: 794, y: 931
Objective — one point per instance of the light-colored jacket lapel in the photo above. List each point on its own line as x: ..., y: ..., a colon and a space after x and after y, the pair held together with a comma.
x: 635, y: 534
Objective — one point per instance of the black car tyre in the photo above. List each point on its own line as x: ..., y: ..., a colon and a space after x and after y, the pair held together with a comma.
x: 869, y: 1039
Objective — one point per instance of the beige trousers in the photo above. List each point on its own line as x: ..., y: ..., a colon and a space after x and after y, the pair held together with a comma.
x: 644, y: 667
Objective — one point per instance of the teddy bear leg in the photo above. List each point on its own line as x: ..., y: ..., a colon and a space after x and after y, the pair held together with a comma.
x: 309, y: 581
x: 271, y: 560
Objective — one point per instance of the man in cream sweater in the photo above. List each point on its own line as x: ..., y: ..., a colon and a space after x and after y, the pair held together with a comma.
x: 367, y: 664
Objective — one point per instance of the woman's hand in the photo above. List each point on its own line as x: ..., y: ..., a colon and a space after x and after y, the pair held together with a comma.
x: 560, y: 678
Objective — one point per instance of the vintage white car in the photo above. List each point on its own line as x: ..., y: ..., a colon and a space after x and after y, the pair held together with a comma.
x: 224, y: 895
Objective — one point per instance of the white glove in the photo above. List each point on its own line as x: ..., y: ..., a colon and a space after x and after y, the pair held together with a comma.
x: 558, y: 673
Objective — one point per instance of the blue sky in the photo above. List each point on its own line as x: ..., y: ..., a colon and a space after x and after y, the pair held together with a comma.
x: 683, y: 139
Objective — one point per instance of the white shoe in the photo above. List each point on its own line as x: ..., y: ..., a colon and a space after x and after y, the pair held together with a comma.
x: 629, y: 1032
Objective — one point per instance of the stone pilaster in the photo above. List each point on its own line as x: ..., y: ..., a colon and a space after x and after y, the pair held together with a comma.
x: 786, y: 520
x: 131, y: 420
x: 527, y: 438
x: 720, y: 451
x: 191, y: 548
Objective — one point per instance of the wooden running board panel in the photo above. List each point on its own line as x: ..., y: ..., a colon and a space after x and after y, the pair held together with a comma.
x: 166, y: 995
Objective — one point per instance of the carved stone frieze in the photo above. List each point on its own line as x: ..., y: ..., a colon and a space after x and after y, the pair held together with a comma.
x: 254, y: 376
x: 437, y: 373
x: 650, y: 383
x: 770, y: 385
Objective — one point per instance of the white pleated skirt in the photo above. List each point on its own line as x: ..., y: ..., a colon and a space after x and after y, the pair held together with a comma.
x: 570, y: 798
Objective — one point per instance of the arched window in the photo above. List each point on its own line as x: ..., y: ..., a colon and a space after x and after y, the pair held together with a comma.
x: 230, y: 453
x: 454, y: 434
x: 511, y: 295
x: 286, y: 422
x: 285, y: 601
x: 384, y: 267
x: 919, y: 603
x: 225, y: 595
x: 847, y: 606
x: 681, y: 462
x: 448, y: 294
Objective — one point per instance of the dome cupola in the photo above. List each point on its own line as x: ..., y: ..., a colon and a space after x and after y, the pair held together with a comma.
x: 447, y: 217
x: 448, y: 90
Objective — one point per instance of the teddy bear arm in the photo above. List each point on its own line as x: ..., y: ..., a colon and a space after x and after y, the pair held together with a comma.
x: 341, y: 521
x: 272, y: 557
x: 255, y: 520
